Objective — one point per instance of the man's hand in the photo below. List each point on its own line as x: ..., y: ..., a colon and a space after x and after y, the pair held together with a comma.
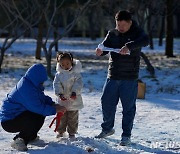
x: 73, y: 96
x: 99, y: 52
x: 124, y: 50
x: 59, y: 108
x: 62, y: 98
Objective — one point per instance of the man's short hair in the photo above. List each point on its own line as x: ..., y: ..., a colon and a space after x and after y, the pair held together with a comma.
x: 123, y: 15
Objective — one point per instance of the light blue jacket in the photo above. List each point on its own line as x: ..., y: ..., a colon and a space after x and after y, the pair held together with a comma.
x: 28, y: 95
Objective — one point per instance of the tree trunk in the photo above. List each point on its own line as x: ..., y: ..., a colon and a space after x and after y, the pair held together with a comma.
x: 92, y: 23
x: 64, y: 15
x: 39, y: 38
x: 55, y: 33
x: 150, y: 32
x: 48, y: 58
x: 83, y: 31
x: 169, y: 28
x: 178, y: 23
x: 161, y: 31
x: 102, y: 34
x: 150, y: 68
x: 1, y: 58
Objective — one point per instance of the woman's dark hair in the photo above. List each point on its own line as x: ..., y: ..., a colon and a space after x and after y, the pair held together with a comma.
x: 123, y: 15
x: 64, y: 55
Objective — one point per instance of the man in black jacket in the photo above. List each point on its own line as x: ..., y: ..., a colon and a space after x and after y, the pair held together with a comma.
x: 123, y: 71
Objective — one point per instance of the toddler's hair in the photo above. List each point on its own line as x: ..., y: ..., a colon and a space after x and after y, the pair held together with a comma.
x: 64, y: 55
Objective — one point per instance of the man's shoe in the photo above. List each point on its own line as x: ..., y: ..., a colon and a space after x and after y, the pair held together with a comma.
x: 19, y: 145
x: 125, y: 141
x: 105, y: 134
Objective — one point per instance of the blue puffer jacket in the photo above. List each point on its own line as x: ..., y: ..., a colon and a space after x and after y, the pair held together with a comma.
x: 28, y: 95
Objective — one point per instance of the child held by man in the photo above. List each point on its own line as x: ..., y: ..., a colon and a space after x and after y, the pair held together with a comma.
x: 67, y: 86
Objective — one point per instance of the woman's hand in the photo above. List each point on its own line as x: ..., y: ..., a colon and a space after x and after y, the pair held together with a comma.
x: 59, y: 108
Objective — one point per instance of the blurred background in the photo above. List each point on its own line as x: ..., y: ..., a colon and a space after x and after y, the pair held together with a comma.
x: 48, y: 21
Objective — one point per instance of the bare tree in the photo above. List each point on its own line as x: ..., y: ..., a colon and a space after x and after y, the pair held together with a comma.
x: 169, y: 28
x: 162, y: 27
x: 150, y: 29
x: 41, y: 27
x: 14, y: 17
x: 48, y: 48
x: 49, y: 14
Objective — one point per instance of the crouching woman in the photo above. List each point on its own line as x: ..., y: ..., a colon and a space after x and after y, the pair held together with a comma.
x: 24, y: 109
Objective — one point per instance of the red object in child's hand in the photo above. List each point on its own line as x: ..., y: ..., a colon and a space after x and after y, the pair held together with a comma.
x: 61, y: 96
x: 73, y: 95
x: 58, y: 119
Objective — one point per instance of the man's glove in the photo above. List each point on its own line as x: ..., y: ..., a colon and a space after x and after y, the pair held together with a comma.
x: 73, y: 95
x: 62, y: 98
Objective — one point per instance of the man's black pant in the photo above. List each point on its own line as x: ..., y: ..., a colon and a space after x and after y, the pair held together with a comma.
x: 27, y: 124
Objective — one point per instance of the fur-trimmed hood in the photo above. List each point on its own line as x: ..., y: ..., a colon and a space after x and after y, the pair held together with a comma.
x: 77, y: 67
x: 27, y: 95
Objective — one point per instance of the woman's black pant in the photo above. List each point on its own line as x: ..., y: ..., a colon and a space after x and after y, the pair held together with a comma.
x: 27, y: 124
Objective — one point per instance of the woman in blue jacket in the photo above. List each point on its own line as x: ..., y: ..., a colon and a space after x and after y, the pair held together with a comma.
x: 26, y: 106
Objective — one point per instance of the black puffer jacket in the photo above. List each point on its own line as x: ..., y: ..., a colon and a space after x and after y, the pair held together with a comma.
x: 125, y: 66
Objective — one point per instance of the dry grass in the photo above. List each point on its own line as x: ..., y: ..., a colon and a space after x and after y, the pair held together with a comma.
x: 17, y: 61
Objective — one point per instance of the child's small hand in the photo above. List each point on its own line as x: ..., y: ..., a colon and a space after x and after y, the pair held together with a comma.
x: 62, y: 98
x: 73, y: 95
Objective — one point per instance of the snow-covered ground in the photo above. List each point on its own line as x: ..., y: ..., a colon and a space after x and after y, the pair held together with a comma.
x: 157, y: 122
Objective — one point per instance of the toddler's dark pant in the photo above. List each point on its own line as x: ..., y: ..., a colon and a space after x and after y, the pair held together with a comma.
x: 27, y: 124
x: 126, y: 91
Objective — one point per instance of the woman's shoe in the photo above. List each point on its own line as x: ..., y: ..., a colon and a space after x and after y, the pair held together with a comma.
x: 19, y: 145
